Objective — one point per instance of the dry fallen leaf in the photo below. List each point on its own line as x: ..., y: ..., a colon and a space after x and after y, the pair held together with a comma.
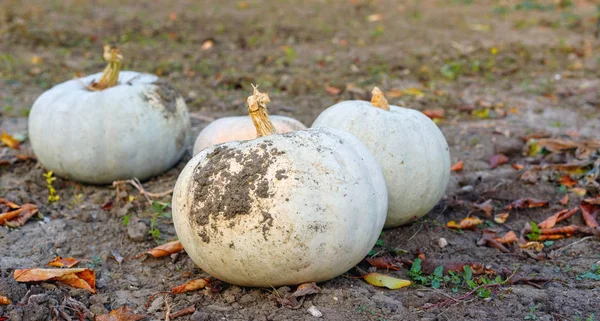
x: 486, y: 207
x: 9, y: 141
x: 567, y: 181
x: 497, y: 160
x: 18, y: 217
x: 78, y: 278
x: 458, y: 166
x: 509, y: 237
x: 66, y: 262
x: 501, y: 218
x: 437, y: 113
x: 375, y: 17
x: 529, y: 177
x: 120, y: 314
x: 536, y: 246
x: 305, y: 289
x: 557, y: 145
x: 207, y: 45
x: 559, y: 216
x: 590, y: 212
x: 466, y: 223
x: 386, y: 281
x: 382, y: 263
x: 595, y: 201
x: 192, y: 285
x: 579, y: 191
x: 332, y: 90
x: 4, y: 300
x: 165, y: 249
x: 525, y: 203
x: 564, y: 200
x: 518, y: 166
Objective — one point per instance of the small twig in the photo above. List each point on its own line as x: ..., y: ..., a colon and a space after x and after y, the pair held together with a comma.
x: 417, y: 232
x: 569, y: 245
x: 182, y: 312
x: 168, y: 313
x: 138, y: 185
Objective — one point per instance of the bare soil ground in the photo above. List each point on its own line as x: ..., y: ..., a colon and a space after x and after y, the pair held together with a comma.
x: 499, y: 69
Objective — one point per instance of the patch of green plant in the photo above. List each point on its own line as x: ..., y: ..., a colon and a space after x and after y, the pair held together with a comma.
x: 593, y: 274
x: 126, y: 220
x: 535, y: 232
x: 52, y: 195
x: 451, y: 70
x: 533, y: 5
x: 159, y: 211
x: 590, y: 317
x: 531, y: 315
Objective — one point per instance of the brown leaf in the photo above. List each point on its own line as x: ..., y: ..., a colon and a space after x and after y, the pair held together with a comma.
x: 567, y: 181
x: 457, y: 167
x: 568, y: 230
x: 497, y: 160
x: 501, y: 218
x: 486, y: 207
x: 564, y: 200
x: 66, y: 262
x: 559, y: 216
x: 9, y: 141
x: 525, y: 203
x: 9, y: 203
x: 438, y: 113
x: 517, y: 166
x: 509, y: 237
x: 107, y: 206
x: 332, y: 90
x: 589, y: 211
x: 382, y: 263
x: 306, y: 289
x: 529, y: 177
x: 595, y: 201
x: 165, y: 249
x: 579, y: 191
x: 19, y: 216
x: 79, y: 278
x: 192, y: 285
x: 466, y: 223
x: 182, y: 312
x: 120, y: 314
x: 4, y: 300
x: 488, y: 237
x: 536, y: 246
x: 557, y: 145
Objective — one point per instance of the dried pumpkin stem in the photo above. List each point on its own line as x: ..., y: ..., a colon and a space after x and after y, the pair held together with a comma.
x: 378, y: 100
x: 110, y: 75
x: 257, y: 108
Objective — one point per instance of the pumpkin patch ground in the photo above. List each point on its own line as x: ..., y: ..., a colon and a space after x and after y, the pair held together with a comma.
x: 514, y: 86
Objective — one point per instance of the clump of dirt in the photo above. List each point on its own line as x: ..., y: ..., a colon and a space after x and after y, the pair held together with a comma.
x: 167, y: 94
x: 218, y: 191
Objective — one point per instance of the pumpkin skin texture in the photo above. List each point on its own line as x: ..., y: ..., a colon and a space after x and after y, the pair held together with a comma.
x: 139, y: 128
x: 282, y: 209
x: 410, y: 148
x: 229, y: 129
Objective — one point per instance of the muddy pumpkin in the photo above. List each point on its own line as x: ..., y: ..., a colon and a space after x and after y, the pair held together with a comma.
x: 409, y: 147
x: 280, y: 209
x: 229, y: 129
x: 109, y: 126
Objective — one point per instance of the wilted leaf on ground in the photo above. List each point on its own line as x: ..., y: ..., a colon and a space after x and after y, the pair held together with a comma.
x: 4, y: 300
x: 78, y: 278
x: 590, y: 212
x: 497, y: 160
x: 501, y: 218
x: 559, y: 216
x: 165, y: 249
x: 120, y: 314
x: 579, y: 191
x: 466, y: 223
x: 564, y: 200
x: 536, y: 246
x: 488, y: 237
x: 18, y: 217
x: 386, y: 281
x: 525, y: 203
x: 416, y: 92
x: 557, y: 145
x: 9, y: 203
x: 306, y: 289
x: 66, y: 262
x: 518, y: 166
x: 332, y: 90
x: 567, y: 181
x: 192, y: 285
x: 9, y: 141
x: 509, y: 237
x: 486, y: 207
x: 437, y: 113
x: 458, y: 166
x: 529, y: 177
x: 595, y: 201
x: 382, y: 263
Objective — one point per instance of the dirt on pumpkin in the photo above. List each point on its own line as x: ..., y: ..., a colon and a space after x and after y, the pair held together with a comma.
x: 497, y: 70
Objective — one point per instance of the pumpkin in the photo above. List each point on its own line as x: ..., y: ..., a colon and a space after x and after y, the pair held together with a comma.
x: 227, y: 129
x: 409, y: 147
x: 281, y: 209
x: 124, y: 125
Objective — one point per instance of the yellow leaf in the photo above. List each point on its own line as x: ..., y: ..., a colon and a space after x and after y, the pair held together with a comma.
x: 483, y: 113
x: 579, y: 191
x: 386, y: 281
x: 494, y: 51
x: 9, y: 141
x: 414, y: 92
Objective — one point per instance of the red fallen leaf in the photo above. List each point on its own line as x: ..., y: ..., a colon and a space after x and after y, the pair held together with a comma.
x: 518, y: 166
x: 78, y: 278
x: 165, y: 249
x: 120, y: 314
x: 466, y: 223
x: 66, y: 262
x: 567, y: 181
x: 564, y: 200
x: 595, y: 201
x: 435, y: 113
x: 4, y: 300
x: 497, y: 160
x: 525, y: 203
x: 509, y: 237
x: 9, y: 141
x: 589, y: 211
x: 192, y: 285
x: 458, y: 166
x: 19, y: 216
x: 382, y: 263
x: 559, y: 216
x: 108, y: 206
x: 332, y: 90
x: 486, y: 207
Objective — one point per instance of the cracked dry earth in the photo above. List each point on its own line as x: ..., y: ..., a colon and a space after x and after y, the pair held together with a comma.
x: 497, y: 70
